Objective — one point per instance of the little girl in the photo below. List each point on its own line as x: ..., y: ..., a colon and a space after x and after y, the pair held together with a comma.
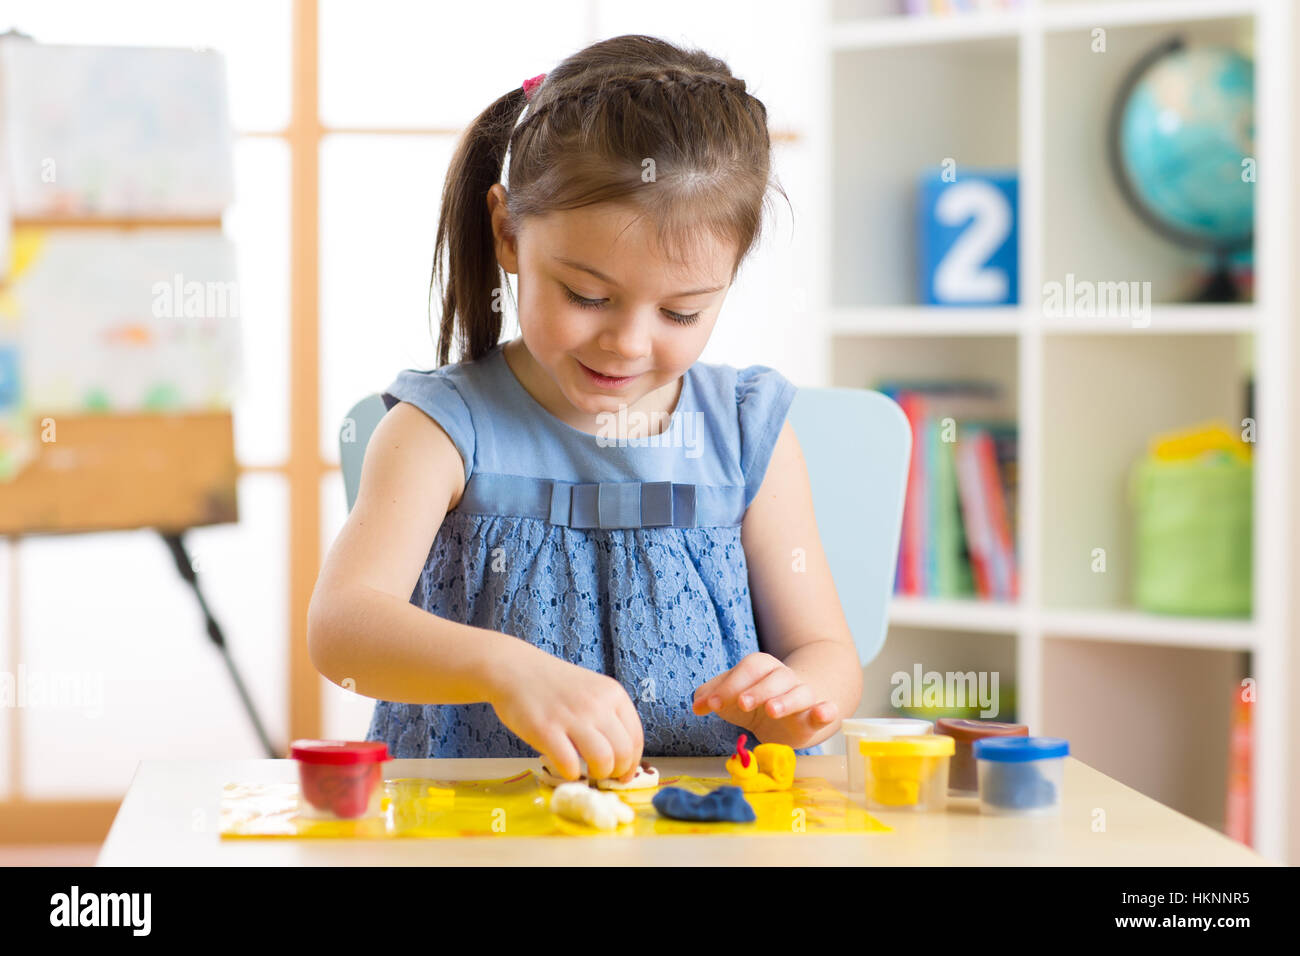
x: 601, y: 506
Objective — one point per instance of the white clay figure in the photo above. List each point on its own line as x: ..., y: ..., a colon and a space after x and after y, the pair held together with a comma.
x: 577, y: 801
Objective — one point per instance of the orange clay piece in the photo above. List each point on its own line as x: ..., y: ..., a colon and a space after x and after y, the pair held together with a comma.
x: 766, y: 767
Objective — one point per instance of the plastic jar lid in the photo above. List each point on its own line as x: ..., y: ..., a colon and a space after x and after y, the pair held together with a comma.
x: 963, y: 729
x: 887, y: 726
x: 1020, y: 749
x: 339, y: 751
x: 930, y: 745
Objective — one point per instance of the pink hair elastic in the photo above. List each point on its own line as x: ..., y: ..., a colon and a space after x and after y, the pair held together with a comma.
x: 534, y: 83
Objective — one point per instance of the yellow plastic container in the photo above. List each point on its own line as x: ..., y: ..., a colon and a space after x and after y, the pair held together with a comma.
x: 907, y: 773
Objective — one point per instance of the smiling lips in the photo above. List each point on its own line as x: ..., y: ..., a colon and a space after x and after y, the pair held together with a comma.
x: 607, y: 379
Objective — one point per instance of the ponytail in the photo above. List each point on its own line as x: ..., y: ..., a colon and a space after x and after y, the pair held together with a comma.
x: 471, y: 275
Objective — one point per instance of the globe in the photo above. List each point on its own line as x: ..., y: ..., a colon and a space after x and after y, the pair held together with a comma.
x: 1183, y: 147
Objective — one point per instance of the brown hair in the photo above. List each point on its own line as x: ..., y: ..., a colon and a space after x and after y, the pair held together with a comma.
x: 591, y: 127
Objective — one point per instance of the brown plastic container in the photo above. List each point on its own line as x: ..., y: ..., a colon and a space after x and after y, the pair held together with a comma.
x: 963, y: 774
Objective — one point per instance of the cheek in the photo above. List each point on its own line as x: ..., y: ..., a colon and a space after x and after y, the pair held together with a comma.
x: 690, y: 341
x: 551, y: 328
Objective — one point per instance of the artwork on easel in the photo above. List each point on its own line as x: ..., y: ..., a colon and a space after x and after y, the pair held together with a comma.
x: 112, y: 319
x: 150, y: 325
x: 115, y: 132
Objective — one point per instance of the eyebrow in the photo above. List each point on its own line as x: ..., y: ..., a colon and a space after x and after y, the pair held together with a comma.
x: 604, y: 278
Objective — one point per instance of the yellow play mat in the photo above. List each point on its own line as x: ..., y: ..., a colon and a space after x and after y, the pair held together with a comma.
x: 520, y: 806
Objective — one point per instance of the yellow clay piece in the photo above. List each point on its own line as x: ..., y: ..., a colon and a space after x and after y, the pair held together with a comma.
x: 896, y: 781
x: 771, y: 767
x: 777, y: 761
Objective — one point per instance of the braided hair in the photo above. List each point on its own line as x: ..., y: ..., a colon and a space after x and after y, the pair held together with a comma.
x: 589, y: 133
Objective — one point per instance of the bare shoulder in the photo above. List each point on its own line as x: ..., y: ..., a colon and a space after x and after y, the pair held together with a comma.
x: 412, y: 475
x: 786, y: 476
x: 411, y: 451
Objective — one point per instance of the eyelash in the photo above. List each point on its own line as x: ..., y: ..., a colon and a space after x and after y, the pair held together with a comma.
x: 596, y: 303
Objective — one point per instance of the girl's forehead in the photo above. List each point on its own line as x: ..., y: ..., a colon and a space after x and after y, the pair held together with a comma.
x: 614, y: 241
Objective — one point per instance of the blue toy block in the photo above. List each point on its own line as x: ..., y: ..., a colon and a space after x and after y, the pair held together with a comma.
x: 968, y: 238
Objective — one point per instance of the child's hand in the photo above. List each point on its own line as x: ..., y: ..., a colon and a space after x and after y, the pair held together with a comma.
x: 763, y: 695
x: 567, y: 712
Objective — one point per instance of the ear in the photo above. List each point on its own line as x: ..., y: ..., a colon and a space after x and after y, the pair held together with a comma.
x: 505, y: 243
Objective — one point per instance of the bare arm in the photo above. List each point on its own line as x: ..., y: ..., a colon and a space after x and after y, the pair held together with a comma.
x: 796, y: 608
x: 361, y: 624
x: 362, y: 628
x: 809, y: 676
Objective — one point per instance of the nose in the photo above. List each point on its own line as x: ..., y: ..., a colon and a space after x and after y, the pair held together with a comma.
x: 627, y: 337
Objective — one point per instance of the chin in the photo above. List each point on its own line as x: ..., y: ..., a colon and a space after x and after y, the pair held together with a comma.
x: 593, y: 403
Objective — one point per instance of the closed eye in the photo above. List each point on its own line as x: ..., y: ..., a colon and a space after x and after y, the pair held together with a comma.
x: 597, y: 303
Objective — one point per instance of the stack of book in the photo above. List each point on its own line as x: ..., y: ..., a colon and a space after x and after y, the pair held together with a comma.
x: 944, y: 8
x: 959, y: 519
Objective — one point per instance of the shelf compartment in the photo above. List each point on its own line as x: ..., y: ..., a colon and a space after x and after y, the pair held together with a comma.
x: 895, y: 114
x: 1104, y: 398
x: 861, y: 362
x: 944, y: 651
x: 1090, y: 231
x: 1171, y: 708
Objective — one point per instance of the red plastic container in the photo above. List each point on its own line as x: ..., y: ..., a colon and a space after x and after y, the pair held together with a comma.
x: 339, y: 779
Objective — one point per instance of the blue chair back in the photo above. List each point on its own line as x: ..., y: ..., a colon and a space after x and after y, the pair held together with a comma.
x: 857, y: 445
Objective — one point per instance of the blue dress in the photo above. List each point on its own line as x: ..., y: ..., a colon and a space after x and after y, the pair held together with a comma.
x: 623, y: 557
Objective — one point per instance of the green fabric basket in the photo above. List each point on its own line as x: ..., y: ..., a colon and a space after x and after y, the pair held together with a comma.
x: 1194, y: 531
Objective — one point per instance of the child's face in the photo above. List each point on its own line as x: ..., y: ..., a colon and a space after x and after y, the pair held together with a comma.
x: 635, y: 326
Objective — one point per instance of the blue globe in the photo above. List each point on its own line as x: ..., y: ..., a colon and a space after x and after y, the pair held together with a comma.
x: 1183, y: 132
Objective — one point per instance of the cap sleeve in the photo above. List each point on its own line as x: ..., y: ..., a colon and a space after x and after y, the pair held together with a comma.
x: 438, y: 398
x: 763, y: 398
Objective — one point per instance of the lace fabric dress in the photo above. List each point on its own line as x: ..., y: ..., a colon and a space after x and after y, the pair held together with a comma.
x: 623, y: 557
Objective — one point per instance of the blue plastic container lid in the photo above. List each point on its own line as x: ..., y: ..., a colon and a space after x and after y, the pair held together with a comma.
x: 1020, y: 749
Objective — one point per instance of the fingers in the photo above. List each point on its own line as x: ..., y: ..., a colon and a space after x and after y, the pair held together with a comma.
x: 561, y: 756
x: 778, y: 684
x: 610, y: 748
x: 595, y: 747
x: 700, y: 705
x: 761, y: 687
x: 621, y: 749
x: 631, y: 722
x: 826, y: 712
x: 816, y: 717
x: 796, y: 699
x: 730, y: 684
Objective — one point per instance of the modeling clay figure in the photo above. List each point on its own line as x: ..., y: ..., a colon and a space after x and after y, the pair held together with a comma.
x: 577, y: 801
x: 766, y: 767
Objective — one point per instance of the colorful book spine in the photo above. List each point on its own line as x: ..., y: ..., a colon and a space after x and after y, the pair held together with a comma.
x: 974, y: 514
x: 958, y: 535
x: 952, y: 563
x: 912, y: 545
x: 1001, y: 547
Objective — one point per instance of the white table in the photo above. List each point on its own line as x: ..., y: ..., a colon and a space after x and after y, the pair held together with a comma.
x: 170, y: 816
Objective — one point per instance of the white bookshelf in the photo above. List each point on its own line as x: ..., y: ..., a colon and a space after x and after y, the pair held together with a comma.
x: 1024, y: 90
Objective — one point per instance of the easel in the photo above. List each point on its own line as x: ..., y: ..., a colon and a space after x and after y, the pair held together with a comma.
x: 114, y: 472
x: 126, y: 472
